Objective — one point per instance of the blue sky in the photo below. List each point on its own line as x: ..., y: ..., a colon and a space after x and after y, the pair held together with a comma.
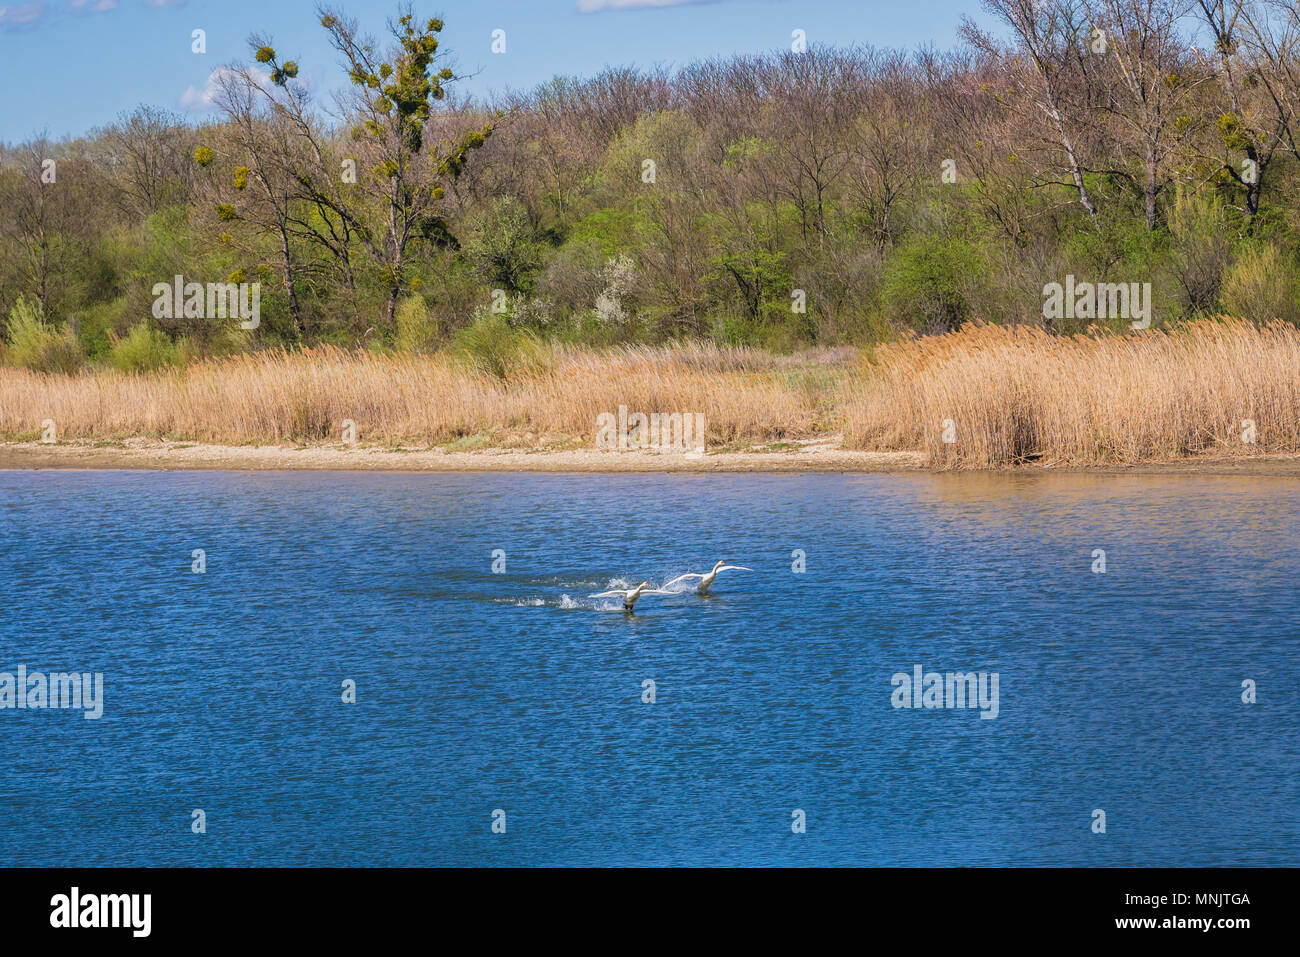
x: 69, y: 65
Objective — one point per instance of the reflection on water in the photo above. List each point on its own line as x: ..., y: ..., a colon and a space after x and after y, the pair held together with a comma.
x: 478, y: 691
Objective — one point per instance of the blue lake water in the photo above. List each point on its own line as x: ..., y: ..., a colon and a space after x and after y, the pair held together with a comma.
x: 1119, y: 691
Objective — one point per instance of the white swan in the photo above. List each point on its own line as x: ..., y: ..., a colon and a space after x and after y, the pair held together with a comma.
x: 630, y: 595
x: 707, y: 580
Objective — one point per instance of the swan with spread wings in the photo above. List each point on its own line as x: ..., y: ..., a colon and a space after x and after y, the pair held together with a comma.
x: 706, y: 580
x: 630, y: 595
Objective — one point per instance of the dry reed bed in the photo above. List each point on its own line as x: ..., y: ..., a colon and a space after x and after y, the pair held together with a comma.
x: 1013, y: 395
x: 1020, y: 394
x: 745, y: 394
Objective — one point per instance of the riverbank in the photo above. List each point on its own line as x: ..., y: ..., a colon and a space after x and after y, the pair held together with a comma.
x: 980, y: 397
x: 156, y: 455
x: 174, y: 456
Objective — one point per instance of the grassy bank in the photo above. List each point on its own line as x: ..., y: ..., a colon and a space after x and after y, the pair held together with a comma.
x: 1008, y: 395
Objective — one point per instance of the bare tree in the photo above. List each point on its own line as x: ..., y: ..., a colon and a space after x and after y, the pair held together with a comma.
x: 249, y: 144
x: 1153, y: 80
x: 147, y: 153
x: 45, y: 214
x: 1048, y: 73
x: 1267, y: 38
x: 889, y: 143
x: 810, y: 111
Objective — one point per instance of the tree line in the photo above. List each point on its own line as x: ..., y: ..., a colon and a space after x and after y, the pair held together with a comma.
x: 812, y: 196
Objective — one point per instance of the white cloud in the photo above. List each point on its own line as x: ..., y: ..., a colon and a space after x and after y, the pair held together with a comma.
x: 22, y: 14
x: 18, y: 15
x: 200, y: 100
x: 598, y: 6
x: 91, y: 6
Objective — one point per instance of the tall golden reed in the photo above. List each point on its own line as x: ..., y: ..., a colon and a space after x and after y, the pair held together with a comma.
x: 275, y: 396
x: 1018, y: 394
x: 1012, y: 394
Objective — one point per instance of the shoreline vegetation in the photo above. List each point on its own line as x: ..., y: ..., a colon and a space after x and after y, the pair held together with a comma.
x: 801, y: 246
x: 1210, y: 390
x: 1073, y: 165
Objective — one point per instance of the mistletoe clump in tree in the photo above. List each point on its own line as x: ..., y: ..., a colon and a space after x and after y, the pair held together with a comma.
x: 392, y: 105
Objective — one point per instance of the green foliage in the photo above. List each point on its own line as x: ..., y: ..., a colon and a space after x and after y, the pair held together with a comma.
x: 765, y: 182
x: 417, y: 327
x: 762, y: 278
x: 36, y: 346
x: 933, y: 285
x: 98, y: 325
x: 1116, y: 242
x: 501, y: 247
x: 492, y: 345
x: 144, y: 349
x: 669, y: 138
x: 1201, y: 235
x: 1260, y: 286
x: 612, y: 229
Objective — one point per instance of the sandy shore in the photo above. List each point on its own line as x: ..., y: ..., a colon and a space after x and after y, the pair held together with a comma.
x: 161, y: 455
x: 817, y: 456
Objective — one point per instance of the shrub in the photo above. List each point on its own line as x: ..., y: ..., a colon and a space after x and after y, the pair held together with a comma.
x: 502, y: 248
x: 842, y: 295
x: 36, y: 346
x: 492, y: 345
x: 932, y: 284
x: 144, y: 349
x: 98, y: 321
x: 1202, y: 247
x: 417, y: 328
x: 574, y: 276
x: 1258, y: 286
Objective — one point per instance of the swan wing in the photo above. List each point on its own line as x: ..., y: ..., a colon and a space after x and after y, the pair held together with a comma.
x: 610, y: 594
x: 682, y: 578
x: 736, y: 568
